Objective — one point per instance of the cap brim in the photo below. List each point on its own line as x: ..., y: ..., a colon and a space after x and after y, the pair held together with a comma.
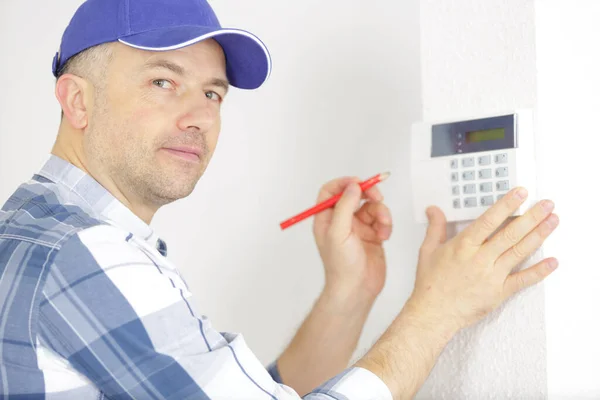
x: 248, y: 62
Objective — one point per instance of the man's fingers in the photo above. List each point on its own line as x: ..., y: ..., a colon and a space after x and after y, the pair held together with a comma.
x: 519, y: 228
x: 372, y: 212
x: 436, y: 231
x: 476, y: 233
x: 335, y: 187
x: 343, y: 212
x: 529, y: 277
x: 382, y: 231
x: 528, y: 245
x: 373, y: 193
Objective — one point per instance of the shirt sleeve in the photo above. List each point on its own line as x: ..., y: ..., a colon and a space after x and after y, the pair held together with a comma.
x: 123, y: 318
x: 273, y: 370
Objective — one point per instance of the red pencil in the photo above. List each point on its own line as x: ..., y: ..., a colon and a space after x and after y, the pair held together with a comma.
x: 332, y: 201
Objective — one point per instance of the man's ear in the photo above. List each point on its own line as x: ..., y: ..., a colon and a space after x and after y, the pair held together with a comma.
x: 72, y: 92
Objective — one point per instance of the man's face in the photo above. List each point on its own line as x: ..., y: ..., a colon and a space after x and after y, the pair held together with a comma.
x: 155, y: 124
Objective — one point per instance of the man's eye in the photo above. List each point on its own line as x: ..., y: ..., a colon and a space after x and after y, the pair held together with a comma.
x: 162, y: 83
x: 213, y: 96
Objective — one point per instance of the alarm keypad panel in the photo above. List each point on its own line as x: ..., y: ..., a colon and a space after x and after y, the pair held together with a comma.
x: 490, y: 181
x: 464, y: 167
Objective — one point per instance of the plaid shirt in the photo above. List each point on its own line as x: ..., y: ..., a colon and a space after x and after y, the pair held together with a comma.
x: 91, y: 308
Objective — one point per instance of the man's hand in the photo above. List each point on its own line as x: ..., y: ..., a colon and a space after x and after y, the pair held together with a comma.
x: 470, y: 275
x: 350, y: 238
x: 458, y: 282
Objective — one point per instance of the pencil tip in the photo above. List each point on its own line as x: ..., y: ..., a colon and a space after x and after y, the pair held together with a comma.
x: 384, y: 176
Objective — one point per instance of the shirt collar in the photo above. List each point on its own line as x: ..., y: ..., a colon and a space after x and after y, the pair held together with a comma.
x: 92, y: 197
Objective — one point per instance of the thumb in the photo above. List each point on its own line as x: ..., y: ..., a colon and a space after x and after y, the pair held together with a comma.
x: 343, y: 212
x: 436, y: 231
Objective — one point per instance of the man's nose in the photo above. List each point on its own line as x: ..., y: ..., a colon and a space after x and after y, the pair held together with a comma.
x: 200, y: 113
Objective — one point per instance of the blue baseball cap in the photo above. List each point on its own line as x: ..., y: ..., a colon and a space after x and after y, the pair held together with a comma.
x: 161, y: 25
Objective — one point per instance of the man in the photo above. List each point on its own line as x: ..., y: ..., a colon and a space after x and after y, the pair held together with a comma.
x: 92, y: 308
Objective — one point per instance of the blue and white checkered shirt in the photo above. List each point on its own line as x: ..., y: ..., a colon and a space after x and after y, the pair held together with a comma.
x: 91, y: 308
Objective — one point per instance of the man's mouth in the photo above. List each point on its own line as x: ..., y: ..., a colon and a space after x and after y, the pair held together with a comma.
x: 185, y: 152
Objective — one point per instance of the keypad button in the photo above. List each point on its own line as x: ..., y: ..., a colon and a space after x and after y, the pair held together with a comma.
x: 501, y: 158
x: 501, y: 172
x: 468, y: 162
x: 455, y: 190
x: 484, y: 160
x: 468, y: 175
x: 469, y: 189
x: 502, y: 186
x: 454, y: 164
x: 485, y: 173
x: 486, y: 187
x: 456, y: 203
x: 487, y: 200
x: 454, y: 177
x: 471, y: 202
x: 500, y: 196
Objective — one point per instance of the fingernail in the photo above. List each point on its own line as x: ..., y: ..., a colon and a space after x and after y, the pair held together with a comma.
x: 552, y: 221
x: 428, y: 212
x: 552, y: 264
x: 383, y: 218
x: 353, y: 188
x: 548, y: 205
x: 521, y: 193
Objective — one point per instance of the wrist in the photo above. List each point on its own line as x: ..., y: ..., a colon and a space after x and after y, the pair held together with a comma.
x: 422, y: 314
x: 407, y: 351
x: 345, y: 300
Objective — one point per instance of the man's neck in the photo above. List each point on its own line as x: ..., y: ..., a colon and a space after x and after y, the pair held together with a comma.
x: 71, y: 155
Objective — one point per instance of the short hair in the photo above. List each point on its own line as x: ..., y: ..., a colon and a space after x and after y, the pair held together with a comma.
x: 90, y: 63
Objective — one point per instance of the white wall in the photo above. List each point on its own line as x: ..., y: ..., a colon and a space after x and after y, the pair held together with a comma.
x: 478, y: 58
x: 494, y: 56
x: 344, y: 89
x: 568, y: 64
x: 29, y: 114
